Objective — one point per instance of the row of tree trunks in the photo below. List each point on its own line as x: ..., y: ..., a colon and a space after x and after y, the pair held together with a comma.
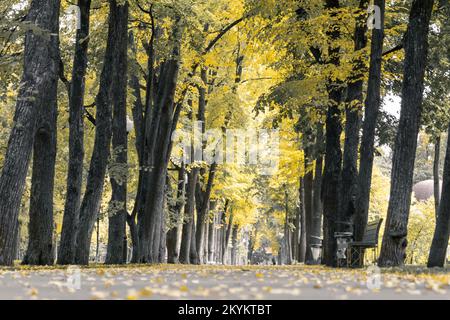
x: 90, y: 205
x: 157, y: 147
x: 157, y: 121
x: 66, y: 250
x: 118, y: 168
x: 38, y: 86
x: 416, y: 51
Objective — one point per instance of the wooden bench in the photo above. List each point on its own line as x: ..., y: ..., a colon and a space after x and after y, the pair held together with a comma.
x: 355, y: 251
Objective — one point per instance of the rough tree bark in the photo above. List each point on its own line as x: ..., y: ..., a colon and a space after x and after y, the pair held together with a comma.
x: 204, y: 208
x: 439, y: 245
x: 118, y: 167
x: 308, y: 200
x: 436, y: 179
x: 352, y: 125
x: 163, y: 119
x: 194, y: 253
x: 188, y: 217
x: 416, y: 51
x: 372, y: 107
x: 66, y: 251
x: 150, y: 220
x: 316, y: 227
x: 202, y: 196
x: 212, y: 232
x: 40, y: 249
x: 90, y: 205
x: 234, y: 244
x: 139, y: 130
x: 296, y: 236
x: 40, y: 74
x: 333, y: 153
x: 303, y: 231
x: 226, y: 232
x: 172, y: 234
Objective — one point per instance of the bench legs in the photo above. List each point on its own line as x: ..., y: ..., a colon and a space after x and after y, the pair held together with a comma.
x: 355, y: 256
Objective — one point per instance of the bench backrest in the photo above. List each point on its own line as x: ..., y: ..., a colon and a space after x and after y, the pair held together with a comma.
x: 372, y: 231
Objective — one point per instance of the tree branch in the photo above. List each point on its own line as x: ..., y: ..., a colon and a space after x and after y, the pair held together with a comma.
x: 395, y: 49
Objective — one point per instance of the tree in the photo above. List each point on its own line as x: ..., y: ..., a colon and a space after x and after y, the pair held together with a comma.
x: 438, y: 251
x: 175, y: 206
x: 416, y: 49
x: 40, y: 249
x: 333, y: 153
x: 371, y: 111
x: 66, y: 253
x: 40, y: 75
x: 352, y: 124
x: 118, y: 166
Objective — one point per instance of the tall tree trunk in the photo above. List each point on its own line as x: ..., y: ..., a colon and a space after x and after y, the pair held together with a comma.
x: 287, y: 231
x: 437, y: 182
x: 90, y: 205
x: 204, y: 257
x: 204, y: 208
x: 219, y: 236
x: 194, y: 252
x: 372, y: 107
x: 296, y: 236
x: 303, y: 233
x: 333, y: 153
x: 66, y: 251
x: 118, y: 168
x: 212, y: 235
x: 188, y: 217
x: 172, y: 234
x: 439, y: 245
x: 139, y: 130
x: 40, y: 228
x: 40, y: 75
x: 226, y: 236
x: 352, y: 126
x: 416, y: 51
x: 234, y: 244
x: 317, y: 200
x: 308, y: 200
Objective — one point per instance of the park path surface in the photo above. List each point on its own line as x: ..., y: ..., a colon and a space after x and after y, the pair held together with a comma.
x: 221, y: 282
